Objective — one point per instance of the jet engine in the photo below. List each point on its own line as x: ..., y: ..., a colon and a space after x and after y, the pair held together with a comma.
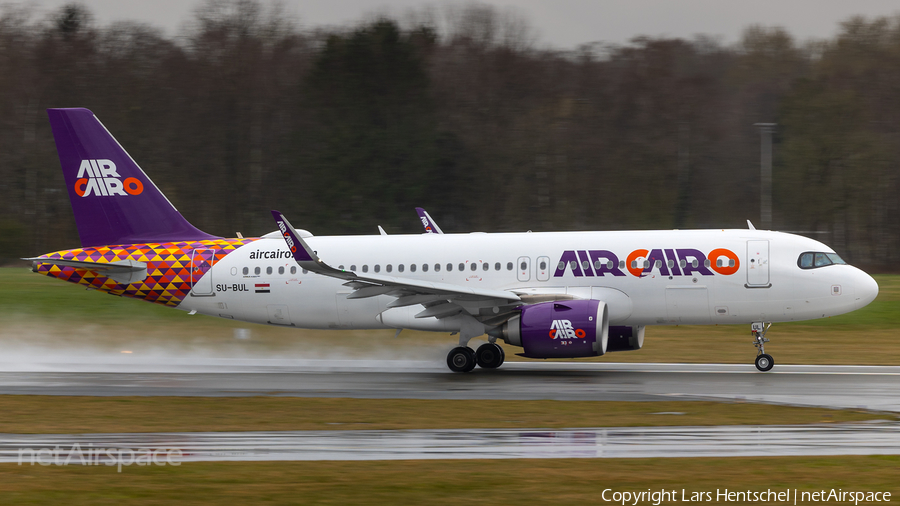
x: 558, y: 329
x: 625, y: 338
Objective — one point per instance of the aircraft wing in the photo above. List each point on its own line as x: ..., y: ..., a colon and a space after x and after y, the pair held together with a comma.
x: 122, y: 271
x: 440, y: 299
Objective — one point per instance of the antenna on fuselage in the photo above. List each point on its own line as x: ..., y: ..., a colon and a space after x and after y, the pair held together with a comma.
x: 750, y: 225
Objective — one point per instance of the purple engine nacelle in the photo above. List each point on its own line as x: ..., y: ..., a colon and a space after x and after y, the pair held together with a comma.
x: 559, y: 329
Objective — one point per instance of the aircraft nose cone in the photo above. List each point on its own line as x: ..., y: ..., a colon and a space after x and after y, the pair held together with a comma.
x: 866, y: 290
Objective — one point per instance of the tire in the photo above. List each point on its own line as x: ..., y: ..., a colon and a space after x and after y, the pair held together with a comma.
x: 461, y: 359
x: 489, y: 356
x: 764, y: 362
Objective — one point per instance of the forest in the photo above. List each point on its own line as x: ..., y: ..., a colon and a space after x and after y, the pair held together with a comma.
x: 458, y: 109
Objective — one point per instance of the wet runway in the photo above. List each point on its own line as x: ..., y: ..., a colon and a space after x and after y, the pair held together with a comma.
x: 629, y: 442
x: 861, y: 387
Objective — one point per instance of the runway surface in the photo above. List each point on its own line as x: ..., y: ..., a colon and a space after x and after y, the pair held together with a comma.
x: 860, y: 387
x: 629, y: 442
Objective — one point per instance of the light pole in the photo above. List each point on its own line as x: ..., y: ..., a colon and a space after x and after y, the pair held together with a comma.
x: 765, y: 174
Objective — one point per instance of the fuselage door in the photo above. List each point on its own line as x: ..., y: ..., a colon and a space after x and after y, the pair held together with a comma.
x: 758, y: 264
x: 524, y: 265
x: 201, y: 275
x: 543, y: 269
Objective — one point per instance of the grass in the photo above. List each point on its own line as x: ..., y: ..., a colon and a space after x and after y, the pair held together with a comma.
x: 435, y: 482
x: 38, y: 310
x: 73, y: 415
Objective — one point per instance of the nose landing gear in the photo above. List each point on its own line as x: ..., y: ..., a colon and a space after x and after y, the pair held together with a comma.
x: 764, y: 361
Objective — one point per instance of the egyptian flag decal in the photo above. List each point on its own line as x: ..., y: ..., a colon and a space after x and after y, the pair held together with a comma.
x: 262, y: 288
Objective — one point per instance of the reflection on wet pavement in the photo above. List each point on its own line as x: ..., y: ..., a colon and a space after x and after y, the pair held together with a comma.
x: 879, y: 438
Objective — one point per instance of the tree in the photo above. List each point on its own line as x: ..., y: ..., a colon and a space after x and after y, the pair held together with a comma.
x: 372, y: 152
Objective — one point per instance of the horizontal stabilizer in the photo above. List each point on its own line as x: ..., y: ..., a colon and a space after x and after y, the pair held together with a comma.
x: 123, y: 271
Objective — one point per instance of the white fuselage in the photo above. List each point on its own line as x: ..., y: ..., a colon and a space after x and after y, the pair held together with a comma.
x: 767, y: 283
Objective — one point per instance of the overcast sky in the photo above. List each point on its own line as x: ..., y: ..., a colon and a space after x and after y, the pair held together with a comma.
x: 559, y: 23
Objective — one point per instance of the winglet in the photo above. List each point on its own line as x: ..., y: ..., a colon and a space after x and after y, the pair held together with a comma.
x: 430, y: 226
x: 303, y: 254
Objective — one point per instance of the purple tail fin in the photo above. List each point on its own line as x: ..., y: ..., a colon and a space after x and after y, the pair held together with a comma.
x: 113, y: 200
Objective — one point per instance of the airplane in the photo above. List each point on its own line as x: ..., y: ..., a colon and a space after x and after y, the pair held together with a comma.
x: 553, y: 294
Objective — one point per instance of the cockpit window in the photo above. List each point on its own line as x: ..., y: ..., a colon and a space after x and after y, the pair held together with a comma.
x: 812, y: 260
x: 806, y: 261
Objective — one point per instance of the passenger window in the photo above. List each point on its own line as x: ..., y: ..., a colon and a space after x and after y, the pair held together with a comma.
x: 400, y: 267
x: 694, y: 263
x: 621, y: 264
x: 281, y: 270
x: 256, y: 271
x: 462, y: 266
x: 246, y: 271
x: 543, y: 265
x: 353, y: 267
x: 485, y: 266
x: 305, y: 271
x: 560, y: 266
x: 437, y: 267
x: 509, y: 266
x: 670, y: 264
x: 573, y: 264
x: 657, y: 264
x: 706, y: 263
x: 497, y: 266
x: 377, y: 268
x: 473, y: 266
x: 293, y: 270
x: 424, y: 267
x: 365, y: 268
x: 268, y: 270
x: 388, y: 268
x: 646, y: 264
x: 449, y: 267
x: 682, y: 263
x: 523, y: 266
x: 412, y: 267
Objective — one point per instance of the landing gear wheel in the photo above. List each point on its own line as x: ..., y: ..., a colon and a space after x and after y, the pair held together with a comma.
x: 490, y: 356
x: 764, y: 362
x: 461, y: 359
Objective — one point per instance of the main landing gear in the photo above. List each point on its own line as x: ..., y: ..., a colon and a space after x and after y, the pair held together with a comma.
x: 464, y: 359
x: 764, y: 361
